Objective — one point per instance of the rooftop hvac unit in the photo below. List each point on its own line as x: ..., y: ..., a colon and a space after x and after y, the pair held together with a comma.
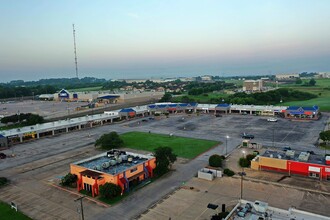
x: 290, y: 153
x: 260, y: 206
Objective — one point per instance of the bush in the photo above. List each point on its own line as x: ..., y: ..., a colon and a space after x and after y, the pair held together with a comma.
x: 250, y: 157
x: 69, y: 180
x: 229, y: 172
x: 110, y: 190
x: 215, y: 160
x: 243, y: 162
x: 3, y: 181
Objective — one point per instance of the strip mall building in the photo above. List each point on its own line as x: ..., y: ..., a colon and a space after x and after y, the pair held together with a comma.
x: 124, y: 169
x: 290, y: 162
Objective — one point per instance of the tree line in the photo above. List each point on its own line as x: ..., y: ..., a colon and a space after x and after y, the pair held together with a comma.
x: 20, y: 88
x: 265, y: 98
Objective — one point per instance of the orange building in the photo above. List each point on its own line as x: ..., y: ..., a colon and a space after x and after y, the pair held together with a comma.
x: 118, y: 167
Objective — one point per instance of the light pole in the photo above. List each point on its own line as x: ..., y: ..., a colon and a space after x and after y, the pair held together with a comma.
x: 227, y: 137
x: 242, y: 174
x: 273, y: 137
x: 81, y: 207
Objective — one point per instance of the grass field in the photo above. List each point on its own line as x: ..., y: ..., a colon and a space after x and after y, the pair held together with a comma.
x: 322, y: 89
x: 182, y: 147
x: 7, y: 213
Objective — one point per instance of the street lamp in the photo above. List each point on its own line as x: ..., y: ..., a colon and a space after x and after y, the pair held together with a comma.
x: 242, y: 174
x: 243, y: 151
x: 81, y: 206
x: 227, y: 137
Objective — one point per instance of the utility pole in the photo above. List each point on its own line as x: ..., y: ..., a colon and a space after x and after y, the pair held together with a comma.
x: 75, y: 50
x: 273, y: 137
x: 81, y: 207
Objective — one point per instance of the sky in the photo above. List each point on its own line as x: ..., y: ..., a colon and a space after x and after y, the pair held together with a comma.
x: 143, y: 39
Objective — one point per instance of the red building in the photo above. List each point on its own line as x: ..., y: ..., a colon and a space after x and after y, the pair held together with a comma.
x: 290, y: 162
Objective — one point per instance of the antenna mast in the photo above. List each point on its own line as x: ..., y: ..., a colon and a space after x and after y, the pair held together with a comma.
x: 75, y: 52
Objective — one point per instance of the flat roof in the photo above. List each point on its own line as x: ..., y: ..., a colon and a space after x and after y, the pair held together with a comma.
x: 316, y: 159
x: 102, y: 163
x: 261, y: 210
x: 67, y: 123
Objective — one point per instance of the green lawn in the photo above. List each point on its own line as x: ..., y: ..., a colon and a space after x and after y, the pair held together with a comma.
x: 182, y: 147
x: 322, y: 89
x: 7, y: 213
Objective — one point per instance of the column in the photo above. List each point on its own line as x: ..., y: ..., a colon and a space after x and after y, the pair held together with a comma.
x: 21, y: 138
x: 38, y: 136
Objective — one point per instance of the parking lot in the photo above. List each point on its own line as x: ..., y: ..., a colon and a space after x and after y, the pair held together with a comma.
x: 299, y: 135
x: 40, y: 163
x: 42, y: 108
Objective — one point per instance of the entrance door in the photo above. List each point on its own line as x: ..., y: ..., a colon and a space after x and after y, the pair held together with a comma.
x: 88, y: 187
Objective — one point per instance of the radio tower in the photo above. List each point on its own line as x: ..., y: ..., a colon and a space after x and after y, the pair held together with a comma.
x: 75, y: 52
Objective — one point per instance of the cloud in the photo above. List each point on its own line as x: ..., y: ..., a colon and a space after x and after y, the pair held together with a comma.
x: 133, y: 15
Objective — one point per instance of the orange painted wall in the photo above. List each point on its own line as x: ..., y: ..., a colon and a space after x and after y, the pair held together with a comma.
x: 269, y: 162
x: 76, y: 169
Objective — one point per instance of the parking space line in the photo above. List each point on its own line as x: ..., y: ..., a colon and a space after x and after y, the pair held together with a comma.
x: 288, y: 133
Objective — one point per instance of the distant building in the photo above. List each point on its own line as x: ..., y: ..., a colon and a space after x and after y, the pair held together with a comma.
x: 323, y: 75
x: 95, y: 96
x: 297, y: 112
x: 207, y: 78
x: 253, y: 85
x: 287, y: 76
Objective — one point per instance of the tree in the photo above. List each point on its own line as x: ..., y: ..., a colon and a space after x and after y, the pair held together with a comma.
x: 34, y: 119
x: 109, y: 141
x: 243, y: 162
x: 325, y: 136
x: 166, y: 98
x: 215, y: 160
x: 110, y: 190
x: 312, y: 82
x: 298, y: 81
x: 69, y: 179
x: 164, y: 159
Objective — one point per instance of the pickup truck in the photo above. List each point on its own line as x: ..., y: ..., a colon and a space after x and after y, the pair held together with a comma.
x: 247, y: 136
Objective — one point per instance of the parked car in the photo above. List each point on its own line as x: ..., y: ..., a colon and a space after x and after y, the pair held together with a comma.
x: 247, y: 136
x: 272, y: 119
x: 286, y: 148
x: 3, y: 156
x: 144, y: 120
x: 218, y: 115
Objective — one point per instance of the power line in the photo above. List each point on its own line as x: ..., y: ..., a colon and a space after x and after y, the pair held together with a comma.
x: 75, y: 50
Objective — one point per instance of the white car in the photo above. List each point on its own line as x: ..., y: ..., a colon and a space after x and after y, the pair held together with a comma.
x: 272, y: 119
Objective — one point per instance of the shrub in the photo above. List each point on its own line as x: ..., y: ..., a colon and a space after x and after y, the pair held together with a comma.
x: 243, y: 162
x: 69, y: 180
x: 3, y: 181
x: 229, y: 172
x: 215, y: 160
x: 110, y: 190
x: 250, y: 157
